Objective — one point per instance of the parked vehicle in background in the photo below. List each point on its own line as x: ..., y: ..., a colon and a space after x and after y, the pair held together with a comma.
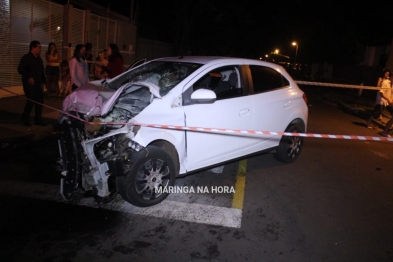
x: 279, y: 59
x: 116, y: 142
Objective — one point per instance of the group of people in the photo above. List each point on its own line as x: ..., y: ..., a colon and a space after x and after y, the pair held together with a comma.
x: 384, y: 100
x: 73, y: 73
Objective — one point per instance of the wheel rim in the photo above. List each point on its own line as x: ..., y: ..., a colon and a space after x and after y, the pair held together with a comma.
x: 153, y: 174
x: 294, y: 146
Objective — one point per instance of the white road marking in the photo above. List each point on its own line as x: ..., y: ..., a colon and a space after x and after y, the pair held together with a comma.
x: 190, y: 212
x: 380, y: 154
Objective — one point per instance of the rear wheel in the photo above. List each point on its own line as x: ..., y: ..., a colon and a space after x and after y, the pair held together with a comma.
x: 151, y: 172
x: 290, y: 146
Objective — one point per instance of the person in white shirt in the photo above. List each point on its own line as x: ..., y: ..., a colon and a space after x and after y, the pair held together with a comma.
x: 385, y: 75
x: 386, y: 84
x: 79, y: 69
x: 383, y: 99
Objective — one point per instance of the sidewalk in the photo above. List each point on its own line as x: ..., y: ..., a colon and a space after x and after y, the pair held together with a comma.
x: 11, y: 91
x: 15, y: 135
x: 350, y: 101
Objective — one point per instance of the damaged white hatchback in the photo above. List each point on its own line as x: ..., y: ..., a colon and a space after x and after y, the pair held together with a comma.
x: 108, y: 144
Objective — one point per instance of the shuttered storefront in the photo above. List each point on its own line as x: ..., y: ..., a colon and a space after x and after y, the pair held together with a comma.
x: 102, y: 32
x: 77, y: 29
x: 22, y: 22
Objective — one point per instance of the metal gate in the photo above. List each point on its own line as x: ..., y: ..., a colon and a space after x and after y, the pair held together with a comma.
x: 22, y: 21
x: 102, y: 32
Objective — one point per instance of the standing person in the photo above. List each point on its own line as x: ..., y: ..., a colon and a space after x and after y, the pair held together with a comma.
x: 65, y: 78
x: 114, y: 64
x: 385, y: 75
x: 31, y: 67
x: 382, y: 100
x: 385, y: 82
x: 385, y: 132
x: 52, y: 70
x: 79, y: 70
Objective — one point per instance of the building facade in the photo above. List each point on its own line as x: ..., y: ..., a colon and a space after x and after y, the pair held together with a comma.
x: 25, y: 20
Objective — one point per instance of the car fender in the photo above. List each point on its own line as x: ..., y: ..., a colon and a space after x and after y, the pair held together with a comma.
x: 296, y: 114
x: 147, y: 135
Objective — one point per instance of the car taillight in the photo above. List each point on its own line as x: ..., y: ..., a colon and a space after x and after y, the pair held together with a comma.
x: 305, y: 99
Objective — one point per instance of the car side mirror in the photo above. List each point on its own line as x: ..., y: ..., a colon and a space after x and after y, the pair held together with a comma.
x: 203, y: 96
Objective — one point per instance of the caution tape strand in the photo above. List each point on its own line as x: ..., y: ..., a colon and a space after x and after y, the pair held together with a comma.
x: 221, y: 130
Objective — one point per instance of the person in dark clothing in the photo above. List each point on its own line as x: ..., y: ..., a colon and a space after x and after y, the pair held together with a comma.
x: 31, y: 67
x: 114, y: 64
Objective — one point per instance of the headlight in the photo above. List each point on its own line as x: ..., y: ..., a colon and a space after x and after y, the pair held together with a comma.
x: 134, y: 145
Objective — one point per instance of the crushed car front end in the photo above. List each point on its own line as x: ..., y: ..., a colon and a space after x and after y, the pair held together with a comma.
x: 93, y: 146
x: 97, y: 144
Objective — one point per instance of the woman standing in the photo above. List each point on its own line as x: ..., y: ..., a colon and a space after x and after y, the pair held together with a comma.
x: 385, y: 75
x: 79, y: 70
x: 52, y: 70
x: 114, y: 64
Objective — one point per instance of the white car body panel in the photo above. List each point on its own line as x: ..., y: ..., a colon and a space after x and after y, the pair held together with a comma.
x: 160, y: 112
x: 202, y: 149
x: 221, y: 93
x: 271, y: 114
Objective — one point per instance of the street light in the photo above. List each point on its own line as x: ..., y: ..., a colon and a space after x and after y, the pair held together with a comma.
x: 276, y: 51
x: 295, y: 44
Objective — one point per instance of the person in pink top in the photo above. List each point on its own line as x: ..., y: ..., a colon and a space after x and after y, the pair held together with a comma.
x: 79, y: 70
x: 114, y: 64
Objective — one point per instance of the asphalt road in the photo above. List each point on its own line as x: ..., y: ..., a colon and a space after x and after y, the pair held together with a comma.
x: 333, y: 204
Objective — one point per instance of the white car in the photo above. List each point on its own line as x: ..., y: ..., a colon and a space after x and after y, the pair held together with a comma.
x: 108, y: 133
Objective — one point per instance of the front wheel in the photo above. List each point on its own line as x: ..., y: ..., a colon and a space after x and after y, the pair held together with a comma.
x: 149, y: 178
x: 290, y: 146
x: 72, y: 157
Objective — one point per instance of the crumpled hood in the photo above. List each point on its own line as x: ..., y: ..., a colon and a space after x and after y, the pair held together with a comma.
x: 95, y: 100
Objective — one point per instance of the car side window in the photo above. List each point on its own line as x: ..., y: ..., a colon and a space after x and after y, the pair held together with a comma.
x: 266, y: 79
x: 224, y: 81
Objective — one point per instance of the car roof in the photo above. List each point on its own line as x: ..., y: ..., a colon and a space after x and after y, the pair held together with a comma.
x: 209, y: 59
x: 191, y: 59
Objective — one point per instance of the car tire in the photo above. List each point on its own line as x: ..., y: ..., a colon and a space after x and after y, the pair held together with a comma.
x: 121, y: 187
x: 150, y: 168
x: 72, y: 157
x: 289, y: 147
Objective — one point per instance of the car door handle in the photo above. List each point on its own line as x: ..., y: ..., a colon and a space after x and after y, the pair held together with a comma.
x: 287, y: 104
x: 245, y: 111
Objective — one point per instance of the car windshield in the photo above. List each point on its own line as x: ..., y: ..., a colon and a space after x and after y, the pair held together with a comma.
x: 166, y: 75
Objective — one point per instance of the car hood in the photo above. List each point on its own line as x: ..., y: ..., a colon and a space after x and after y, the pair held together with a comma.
x: 93, y: 100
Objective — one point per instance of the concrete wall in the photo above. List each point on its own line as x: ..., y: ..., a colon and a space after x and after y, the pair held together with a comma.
x: 126, y: 40
x: 389, y: 63
x: 151, y: 49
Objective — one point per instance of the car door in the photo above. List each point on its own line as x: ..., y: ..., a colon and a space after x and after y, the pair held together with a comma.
x: 272, y: 97
x: 234, y: 113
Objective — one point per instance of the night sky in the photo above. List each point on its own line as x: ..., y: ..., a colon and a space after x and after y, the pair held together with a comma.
x: 331, y: 31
